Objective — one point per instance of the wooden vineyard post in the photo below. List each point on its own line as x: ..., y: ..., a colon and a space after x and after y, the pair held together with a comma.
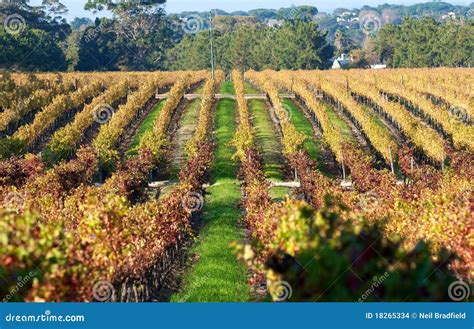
x: 391, y: 160
x: 442, y: 159
x: 100, y: 169
x: 343, y: 169
x: 211, y: 42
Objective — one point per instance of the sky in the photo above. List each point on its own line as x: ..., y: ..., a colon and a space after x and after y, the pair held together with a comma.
x: 76, y: 7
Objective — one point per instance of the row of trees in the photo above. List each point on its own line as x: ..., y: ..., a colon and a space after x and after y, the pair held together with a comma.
x: 32, y: 38
x: 36, y: 38
x: 427, y: 43
x: 296, y: 45
x: 140, y: 36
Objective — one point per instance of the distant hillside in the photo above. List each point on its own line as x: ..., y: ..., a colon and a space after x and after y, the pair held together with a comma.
x: 352, y: 21
x: 431, y: 9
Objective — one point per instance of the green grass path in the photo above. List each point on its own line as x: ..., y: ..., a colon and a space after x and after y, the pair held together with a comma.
x: 217, y: 276
x: 187, y: 126
x: 226, y: 88
x: 340, y: 124
x: 250, y: 89
x: 312, y: 144
x: 145, y: 126
x: 268, y: 141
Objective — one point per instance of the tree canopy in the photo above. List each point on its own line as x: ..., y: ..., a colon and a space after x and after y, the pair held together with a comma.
x: 296, y: 45
x: 427, y: 43
x: 139, y: 35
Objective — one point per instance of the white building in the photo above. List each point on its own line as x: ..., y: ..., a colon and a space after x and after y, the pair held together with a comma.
x: 274, y: 23
x: 450, y: 15
x: 341, y: 62
x: 378, y: 66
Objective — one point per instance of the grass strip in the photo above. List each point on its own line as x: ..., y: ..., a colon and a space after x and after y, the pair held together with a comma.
x: 145, y: 126
x: 312, y: 145
x: 341, y: 125
x: 250, y: 89
x: 227, y: 88
x: 187, y: 125
x: 217, y: 276
x: 267, y: 140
